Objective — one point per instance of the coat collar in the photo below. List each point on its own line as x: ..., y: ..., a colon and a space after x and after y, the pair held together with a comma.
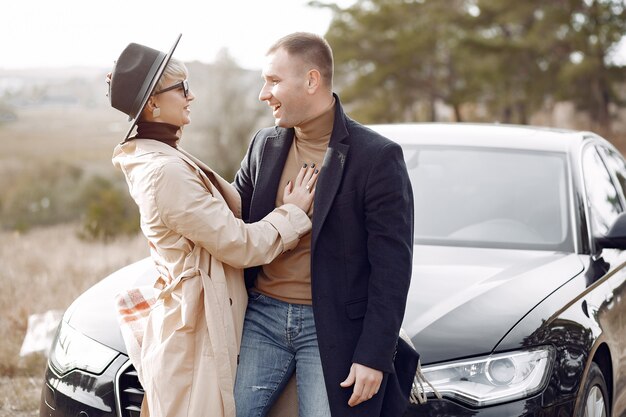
x: 340, y: 128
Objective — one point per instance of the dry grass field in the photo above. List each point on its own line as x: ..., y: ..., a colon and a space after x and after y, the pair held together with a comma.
x: 67, y: 134
x: 42, y: 270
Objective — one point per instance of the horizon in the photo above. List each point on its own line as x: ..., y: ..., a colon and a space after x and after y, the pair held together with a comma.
x: 93, y: 67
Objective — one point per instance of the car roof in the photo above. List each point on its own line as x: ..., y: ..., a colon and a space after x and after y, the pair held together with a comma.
x: 483, y: 135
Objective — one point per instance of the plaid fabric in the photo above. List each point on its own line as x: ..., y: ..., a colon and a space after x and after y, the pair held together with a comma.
x: 133, y: 308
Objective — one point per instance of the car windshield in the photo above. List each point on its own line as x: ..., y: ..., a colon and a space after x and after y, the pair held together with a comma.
x: 485, y: 197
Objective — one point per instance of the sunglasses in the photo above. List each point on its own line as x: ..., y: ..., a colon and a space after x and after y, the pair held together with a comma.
x: 184, y: 85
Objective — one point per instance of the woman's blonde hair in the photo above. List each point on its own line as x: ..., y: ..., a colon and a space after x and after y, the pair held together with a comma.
x: 175, y: 69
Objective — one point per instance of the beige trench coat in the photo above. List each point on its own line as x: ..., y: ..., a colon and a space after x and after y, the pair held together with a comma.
x: 188, y: 356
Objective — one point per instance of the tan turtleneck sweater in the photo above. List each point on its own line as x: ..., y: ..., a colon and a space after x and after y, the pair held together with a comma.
x: 288, y: 277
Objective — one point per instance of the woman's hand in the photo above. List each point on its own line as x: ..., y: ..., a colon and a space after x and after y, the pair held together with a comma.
x: 302, y: 190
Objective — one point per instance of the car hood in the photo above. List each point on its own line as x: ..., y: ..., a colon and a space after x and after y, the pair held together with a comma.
x: 94, y: 313
x: 463, y: 301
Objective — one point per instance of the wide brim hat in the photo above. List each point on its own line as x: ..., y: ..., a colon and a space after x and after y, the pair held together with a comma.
x: 134, y: 77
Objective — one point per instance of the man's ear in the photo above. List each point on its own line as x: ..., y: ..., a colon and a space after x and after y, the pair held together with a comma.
x: 314, y: 80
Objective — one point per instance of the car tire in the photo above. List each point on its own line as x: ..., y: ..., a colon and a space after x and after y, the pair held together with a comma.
x: 594, y: 399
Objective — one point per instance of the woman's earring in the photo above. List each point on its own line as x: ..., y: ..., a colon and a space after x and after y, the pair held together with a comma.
x: 156, y: 112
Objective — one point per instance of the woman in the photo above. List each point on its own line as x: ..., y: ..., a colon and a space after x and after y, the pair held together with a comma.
x: 184, y: 338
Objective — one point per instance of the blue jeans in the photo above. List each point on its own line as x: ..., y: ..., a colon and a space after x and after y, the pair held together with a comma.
x: 279, y: 338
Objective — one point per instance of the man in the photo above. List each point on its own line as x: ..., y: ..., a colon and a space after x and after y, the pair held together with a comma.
x: 332, y: 307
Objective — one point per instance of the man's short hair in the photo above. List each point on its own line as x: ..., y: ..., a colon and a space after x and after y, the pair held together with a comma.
x: 313, y: 49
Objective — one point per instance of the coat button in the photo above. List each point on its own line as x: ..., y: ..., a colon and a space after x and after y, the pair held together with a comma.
x: 231, y: 301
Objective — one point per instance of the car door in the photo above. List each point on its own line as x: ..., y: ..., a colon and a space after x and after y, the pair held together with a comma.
x: 616, y: 166
x: 604, y: 174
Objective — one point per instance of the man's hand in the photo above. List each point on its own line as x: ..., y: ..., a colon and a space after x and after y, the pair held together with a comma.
x: 366, y: 383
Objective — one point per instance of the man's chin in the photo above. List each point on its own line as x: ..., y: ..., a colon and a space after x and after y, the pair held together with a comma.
x: 282, y: 123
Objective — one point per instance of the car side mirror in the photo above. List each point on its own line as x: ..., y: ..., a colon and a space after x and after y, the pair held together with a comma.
x: 616, y: 236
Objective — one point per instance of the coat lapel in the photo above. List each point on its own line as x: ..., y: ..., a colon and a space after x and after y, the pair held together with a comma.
x: 226, y: 190
x: 331, y: 173
x: 275, y: 151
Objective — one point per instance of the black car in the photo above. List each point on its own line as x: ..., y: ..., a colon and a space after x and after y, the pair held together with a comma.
x: 518, y: 299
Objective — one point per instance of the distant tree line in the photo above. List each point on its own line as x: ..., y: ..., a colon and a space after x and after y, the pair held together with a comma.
x: 55, y: 192
x: 395, y: 59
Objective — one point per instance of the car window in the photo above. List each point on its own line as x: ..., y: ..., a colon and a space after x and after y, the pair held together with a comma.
x: 616, y: 165
x: 602, y: 196
x: 488, y: 197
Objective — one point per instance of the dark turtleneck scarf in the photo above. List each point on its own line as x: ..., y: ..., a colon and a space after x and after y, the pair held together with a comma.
x: 163, y: 132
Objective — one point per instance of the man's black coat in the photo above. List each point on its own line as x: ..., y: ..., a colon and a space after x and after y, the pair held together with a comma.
x: 361, y: 253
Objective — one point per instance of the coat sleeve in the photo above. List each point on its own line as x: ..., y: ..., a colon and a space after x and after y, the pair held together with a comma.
x: 389, y: 223
x: 185, y: 206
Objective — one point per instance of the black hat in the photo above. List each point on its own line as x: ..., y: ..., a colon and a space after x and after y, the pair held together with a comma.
x: 134, y: 77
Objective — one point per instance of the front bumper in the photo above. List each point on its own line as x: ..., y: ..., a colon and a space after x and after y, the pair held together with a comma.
x: 529, y: 407
x: 117, y: 392
x: 114, y: 393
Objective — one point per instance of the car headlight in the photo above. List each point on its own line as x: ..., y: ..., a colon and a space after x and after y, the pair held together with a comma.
x: 492, y: 379
x: 73, y: 350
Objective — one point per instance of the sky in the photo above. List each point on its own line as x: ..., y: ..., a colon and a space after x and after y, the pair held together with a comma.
x: 85, y: 33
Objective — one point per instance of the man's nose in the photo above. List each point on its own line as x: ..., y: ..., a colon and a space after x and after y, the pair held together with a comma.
x: 264, y: 94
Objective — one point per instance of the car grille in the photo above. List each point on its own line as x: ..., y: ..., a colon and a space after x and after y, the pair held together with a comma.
x: 129, y: 392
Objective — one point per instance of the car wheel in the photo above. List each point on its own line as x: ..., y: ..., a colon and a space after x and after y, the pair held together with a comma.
x: 594, y: 399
